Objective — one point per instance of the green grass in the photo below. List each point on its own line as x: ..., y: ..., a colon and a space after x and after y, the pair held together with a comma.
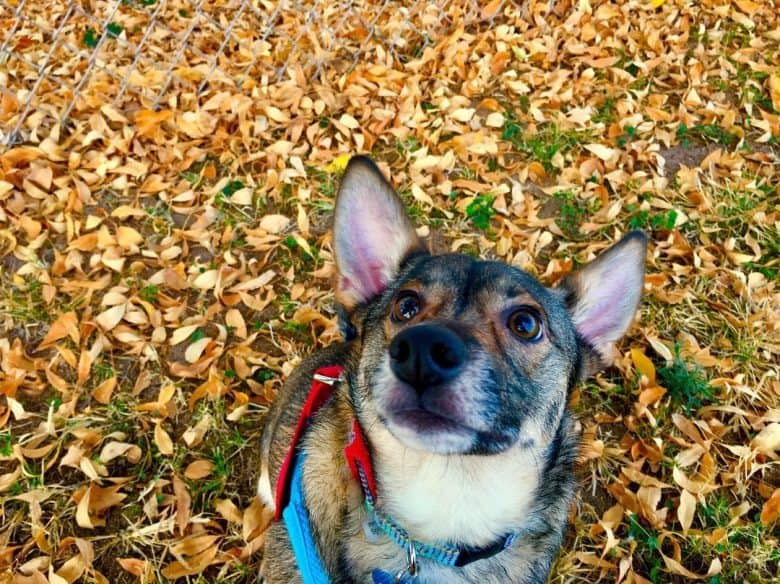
x: 545, y: 143
x: 480, y: 211
x: 644, y: 219
x: 571, y: 213
x: 103, y: 370
x: 647, y: 549
x: 707, y: 133
x: 686, y: 383
x: 6, y: 442
x: 149, y: 293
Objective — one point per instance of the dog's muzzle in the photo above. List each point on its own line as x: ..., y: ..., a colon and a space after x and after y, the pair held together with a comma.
x: 427, y: 355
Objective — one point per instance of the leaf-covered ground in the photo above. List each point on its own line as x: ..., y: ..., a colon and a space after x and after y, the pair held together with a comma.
x: 163, y: 271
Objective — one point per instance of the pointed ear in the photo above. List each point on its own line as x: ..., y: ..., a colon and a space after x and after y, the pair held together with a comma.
x: 372, y: 233
x: 603, y: 297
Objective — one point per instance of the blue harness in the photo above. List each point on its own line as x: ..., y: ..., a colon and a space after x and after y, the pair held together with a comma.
x: 296, y: 519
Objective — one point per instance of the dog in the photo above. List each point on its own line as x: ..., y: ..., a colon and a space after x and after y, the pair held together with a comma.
x: 435, y: 444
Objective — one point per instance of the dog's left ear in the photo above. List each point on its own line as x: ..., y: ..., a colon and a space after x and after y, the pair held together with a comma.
x: 372, y: 234
x: 603, y: 297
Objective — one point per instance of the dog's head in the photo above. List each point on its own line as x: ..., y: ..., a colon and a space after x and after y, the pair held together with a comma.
x: 460, y: 356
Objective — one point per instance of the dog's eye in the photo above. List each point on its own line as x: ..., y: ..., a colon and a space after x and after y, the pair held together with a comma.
x: 525, y: 324
x: 406, y: 306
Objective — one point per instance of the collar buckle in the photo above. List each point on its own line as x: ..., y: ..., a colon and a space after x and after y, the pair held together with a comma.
x: 327, y: 379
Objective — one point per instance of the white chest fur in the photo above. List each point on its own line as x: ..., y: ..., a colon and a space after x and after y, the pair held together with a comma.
x: 472, y: 500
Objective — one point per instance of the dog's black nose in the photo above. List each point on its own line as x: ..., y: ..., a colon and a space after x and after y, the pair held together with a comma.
x: 426, y: 355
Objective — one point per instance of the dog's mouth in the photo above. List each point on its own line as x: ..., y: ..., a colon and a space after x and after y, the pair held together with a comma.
x: 436, y: 420
x: 422, y: 420
x: 442, y: 432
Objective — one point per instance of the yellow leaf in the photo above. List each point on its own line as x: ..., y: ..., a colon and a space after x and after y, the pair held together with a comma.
x: 656, y: 3
x: 339, y: 164
x: 686, y: 510
x: 181, y: 334
x: 194, y: 436
x: 82, y: 511
x: 774, y: 90
x: 767, y: 441
x: 163, y: 440
x: 255, y: 520
x: 65, y: 325
x: 235, y: 320
x: 274, y: 223
x: 198, y: 469
x: 195, y: 350
x: 135, y: 566
x: 601, y: 151
x: 108, y: 319
x: 491, y: 9
x: 770, y: 512
x: 127, y: 236
x: 644, y: 365
x: 85, y: 364
x: 228, y: 510
x: 747, y: 6
x: 463, y: 114
x: 102, y: 393
x: 206, y: 280
x: 148, y: 122
x: 194, y: 565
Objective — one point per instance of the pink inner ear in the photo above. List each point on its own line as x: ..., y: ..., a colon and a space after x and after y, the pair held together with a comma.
x: 372, y: 233
x: 599, y: 320
x: 608, y: 292
x: 366, y: 280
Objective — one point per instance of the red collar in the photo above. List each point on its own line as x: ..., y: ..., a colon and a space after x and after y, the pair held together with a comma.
x: 356, y: 450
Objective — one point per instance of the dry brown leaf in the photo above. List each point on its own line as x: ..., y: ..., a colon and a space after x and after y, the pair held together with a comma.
x: 255, y: 520
x: 163, y: 440
x: 194, y: 565
x: 183, y: 502
x: 65, y: 325
x: 102, y: 393
x: 194, y: 436
x: 136, y: 567
x: 108, y: 319
x: 128, y: 237
x: 195, y: 350
x: 198, y: 469
x: 770, y: 512
x: 229, y: 511
x: 686, y: 510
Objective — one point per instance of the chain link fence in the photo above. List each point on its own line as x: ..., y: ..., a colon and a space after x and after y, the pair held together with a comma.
x: 61, y: 57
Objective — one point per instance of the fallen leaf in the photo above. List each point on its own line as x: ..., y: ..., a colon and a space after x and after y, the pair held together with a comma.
x: 770, y: 511
x: 686, y: 510
x: 339, y: 164
x: 198, y: 469
x: 65, y: 325
x: 163, y: 440
x: 643, y: 365
x: 108, y: 319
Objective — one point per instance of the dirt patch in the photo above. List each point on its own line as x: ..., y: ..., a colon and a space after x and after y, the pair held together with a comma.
x: 691, y: 156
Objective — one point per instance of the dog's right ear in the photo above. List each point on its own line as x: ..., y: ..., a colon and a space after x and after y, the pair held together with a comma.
x: 372, y: 233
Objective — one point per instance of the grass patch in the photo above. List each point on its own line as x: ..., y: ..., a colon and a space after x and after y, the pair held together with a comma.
x: 706, y: 132
x: 644, y: 219
x: 571, y: 213
x: 545, y: 144
x: 480, y: 211
x: 686, y: 383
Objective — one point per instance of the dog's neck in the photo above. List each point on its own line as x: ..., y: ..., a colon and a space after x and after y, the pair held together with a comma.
x: 465, y: 500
